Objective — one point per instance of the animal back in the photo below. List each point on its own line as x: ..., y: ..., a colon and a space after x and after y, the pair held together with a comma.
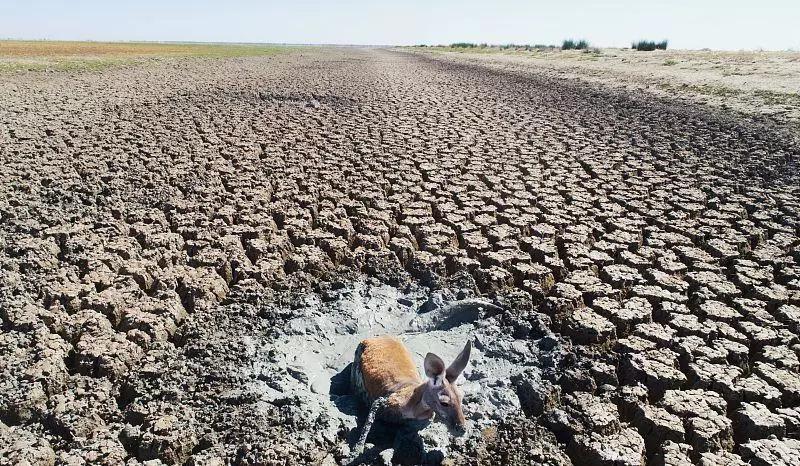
x: 386, y: 366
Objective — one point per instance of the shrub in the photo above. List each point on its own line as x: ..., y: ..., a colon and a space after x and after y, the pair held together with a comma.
x: 463, y: 45
x: 643, y: 45
x: 572, y: 44
x: 527, y: 47
x: 649, y: 45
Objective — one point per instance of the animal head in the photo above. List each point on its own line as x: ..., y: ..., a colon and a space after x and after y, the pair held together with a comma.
x: 441, y: 393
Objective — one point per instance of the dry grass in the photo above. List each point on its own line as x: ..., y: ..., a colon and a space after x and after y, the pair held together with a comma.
x: 76, y: 56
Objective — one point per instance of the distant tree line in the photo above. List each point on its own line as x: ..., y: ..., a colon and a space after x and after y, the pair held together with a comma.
x: 567, y: 44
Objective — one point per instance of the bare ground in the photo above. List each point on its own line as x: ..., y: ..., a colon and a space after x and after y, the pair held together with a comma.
x: 168, y: 231
x: 760, y: 84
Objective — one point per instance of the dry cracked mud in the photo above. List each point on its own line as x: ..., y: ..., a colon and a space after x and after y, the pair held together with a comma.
x: 760, y: 84
x: 189, y: 253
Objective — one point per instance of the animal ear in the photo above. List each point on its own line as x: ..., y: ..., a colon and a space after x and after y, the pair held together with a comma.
x: 459, y: 363
x: 434, y: 366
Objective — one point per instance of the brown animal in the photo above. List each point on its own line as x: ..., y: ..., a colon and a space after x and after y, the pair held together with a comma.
x: 384, y: 374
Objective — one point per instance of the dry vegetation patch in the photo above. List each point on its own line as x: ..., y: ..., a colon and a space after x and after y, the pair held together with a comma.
x: 75, y: 55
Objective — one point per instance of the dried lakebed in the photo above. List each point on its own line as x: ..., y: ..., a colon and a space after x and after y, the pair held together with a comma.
x: 189, y: 255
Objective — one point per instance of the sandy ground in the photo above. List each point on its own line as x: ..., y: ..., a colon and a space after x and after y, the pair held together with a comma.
x: 762, y: 84
x: 190, y: 253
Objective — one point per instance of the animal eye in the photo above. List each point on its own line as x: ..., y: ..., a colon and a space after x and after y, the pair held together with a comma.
x: 445, y: 403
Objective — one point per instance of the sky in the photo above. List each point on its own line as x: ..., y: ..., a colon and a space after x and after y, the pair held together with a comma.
x: 687, y: 24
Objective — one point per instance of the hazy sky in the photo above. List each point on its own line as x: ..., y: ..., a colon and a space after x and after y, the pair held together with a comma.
x: 717, y: 24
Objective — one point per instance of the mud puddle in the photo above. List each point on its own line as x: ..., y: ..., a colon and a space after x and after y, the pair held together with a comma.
x: 309, y: 363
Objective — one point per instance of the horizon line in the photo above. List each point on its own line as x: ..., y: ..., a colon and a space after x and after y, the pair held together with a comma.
x: 341, y: 44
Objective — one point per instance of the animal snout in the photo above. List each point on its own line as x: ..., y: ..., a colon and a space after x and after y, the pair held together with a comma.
x: 457, y: 424
x: 458, y: 428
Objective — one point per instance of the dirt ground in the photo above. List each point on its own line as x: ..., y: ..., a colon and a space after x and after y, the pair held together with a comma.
x: 757, y: 83
x: 190, y: 250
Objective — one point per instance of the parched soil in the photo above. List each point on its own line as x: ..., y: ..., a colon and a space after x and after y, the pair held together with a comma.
x: 759, y: 84
x: 177, y: 238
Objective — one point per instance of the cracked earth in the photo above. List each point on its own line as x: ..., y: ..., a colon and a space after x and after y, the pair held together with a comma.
x: 167, y: 231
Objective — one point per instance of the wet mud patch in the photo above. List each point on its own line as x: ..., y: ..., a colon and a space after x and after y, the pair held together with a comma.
x: 307, y: 365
